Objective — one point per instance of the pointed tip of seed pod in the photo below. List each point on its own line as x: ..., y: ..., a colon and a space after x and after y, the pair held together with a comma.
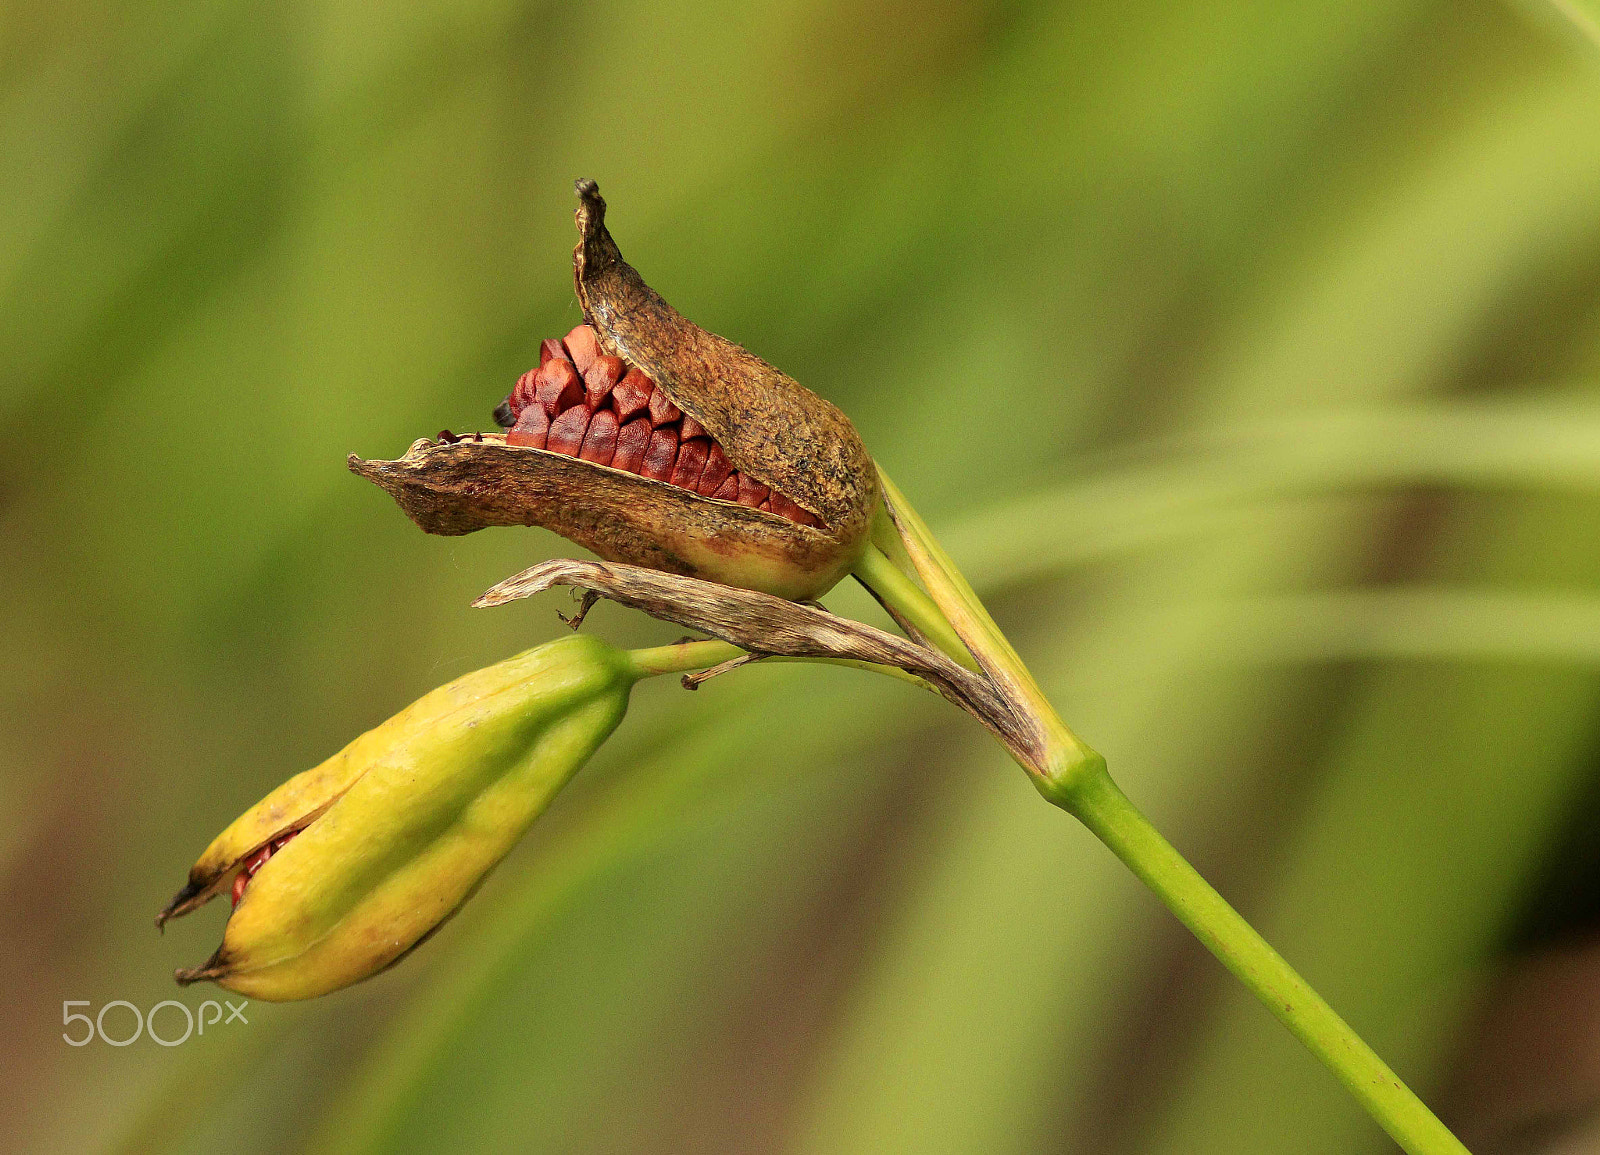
x: 596, y: 256
x: 214, y: 967
x: 375, y: 470
x: 591, y: 207
x: 181, y: 903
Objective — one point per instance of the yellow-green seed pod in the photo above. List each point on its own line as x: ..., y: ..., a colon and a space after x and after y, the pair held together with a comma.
x: 346, y: 867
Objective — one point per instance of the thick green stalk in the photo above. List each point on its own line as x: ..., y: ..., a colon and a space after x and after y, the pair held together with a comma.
x: 1098, y: 803
x: 1073, y: 776
x: 1063, y: 753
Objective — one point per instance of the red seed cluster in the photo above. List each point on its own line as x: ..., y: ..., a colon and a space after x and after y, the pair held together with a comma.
x: 584, y: 404
x: 255, y: 862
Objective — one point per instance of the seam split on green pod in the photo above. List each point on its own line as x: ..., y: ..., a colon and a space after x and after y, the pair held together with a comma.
x: 350, y: 865
x: 653, y: 442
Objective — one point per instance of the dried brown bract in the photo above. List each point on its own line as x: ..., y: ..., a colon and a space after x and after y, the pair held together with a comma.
x: 650, y: 441
x: 767, y: 625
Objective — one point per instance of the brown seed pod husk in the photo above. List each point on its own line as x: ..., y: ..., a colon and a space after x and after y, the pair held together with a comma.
x: 790, y: 450
x: 772, y: 428
x: 456, y: 488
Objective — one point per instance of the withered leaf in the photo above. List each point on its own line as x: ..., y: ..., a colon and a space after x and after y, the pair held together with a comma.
x: 764, y: 624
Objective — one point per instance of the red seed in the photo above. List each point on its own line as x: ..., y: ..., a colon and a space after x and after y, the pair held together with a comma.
x: 559, y: 387
x: 600, y: 378
x: 751, y: 491
x: 765, y: 506
x: 531, y: 429
x: 631, y: 441
x: 660, y: 455
x: 631, y: 396
x: 582, y: 347
x: 716, y: 471
x: 729, y: 489
x: 600, y: 442
x: 550, y: 349
x: 522, y: 395
x: 689, y: 427
x: 567, y: 430
x: 248, y: 868
x: 783, y: 507
x: 691, y: 460
x: 662, y: 410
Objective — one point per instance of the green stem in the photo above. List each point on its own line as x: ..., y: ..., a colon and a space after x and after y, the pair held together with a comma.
x: 905, y: 597
x: 1063, y: 753
x: 682, y: 657
x: 1073, y: 776
x: 1098, y: 803
x: 685, y: 657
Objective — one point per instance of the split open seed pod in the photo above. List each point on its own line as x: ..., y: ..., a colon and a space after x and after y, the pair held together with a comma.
x: 650, y: 441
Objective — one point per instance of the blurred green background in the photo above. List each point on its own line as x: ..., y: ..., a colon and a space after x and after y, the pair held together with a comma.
x: 1246, y: 354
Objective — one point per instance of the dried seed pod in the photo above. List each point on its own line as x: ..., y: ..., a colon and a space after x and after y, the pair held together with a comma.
x: 771, y: 427
x: 756, y: 435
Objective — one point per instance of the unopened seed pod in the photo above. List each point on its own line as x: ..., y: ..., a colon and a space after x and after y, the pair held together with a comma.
x: 649, y: 440
x: 346, y: 867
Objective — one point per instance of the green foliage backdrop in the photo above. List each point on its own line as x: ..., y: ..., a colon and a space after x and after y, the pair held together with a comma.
x: 1247, y: 354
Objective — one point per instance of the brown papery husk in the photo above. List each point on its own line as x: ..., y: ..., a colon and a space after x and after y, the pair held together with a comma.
x: 457, y: 488
x: 767, y: 625
x: 771, y: 427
